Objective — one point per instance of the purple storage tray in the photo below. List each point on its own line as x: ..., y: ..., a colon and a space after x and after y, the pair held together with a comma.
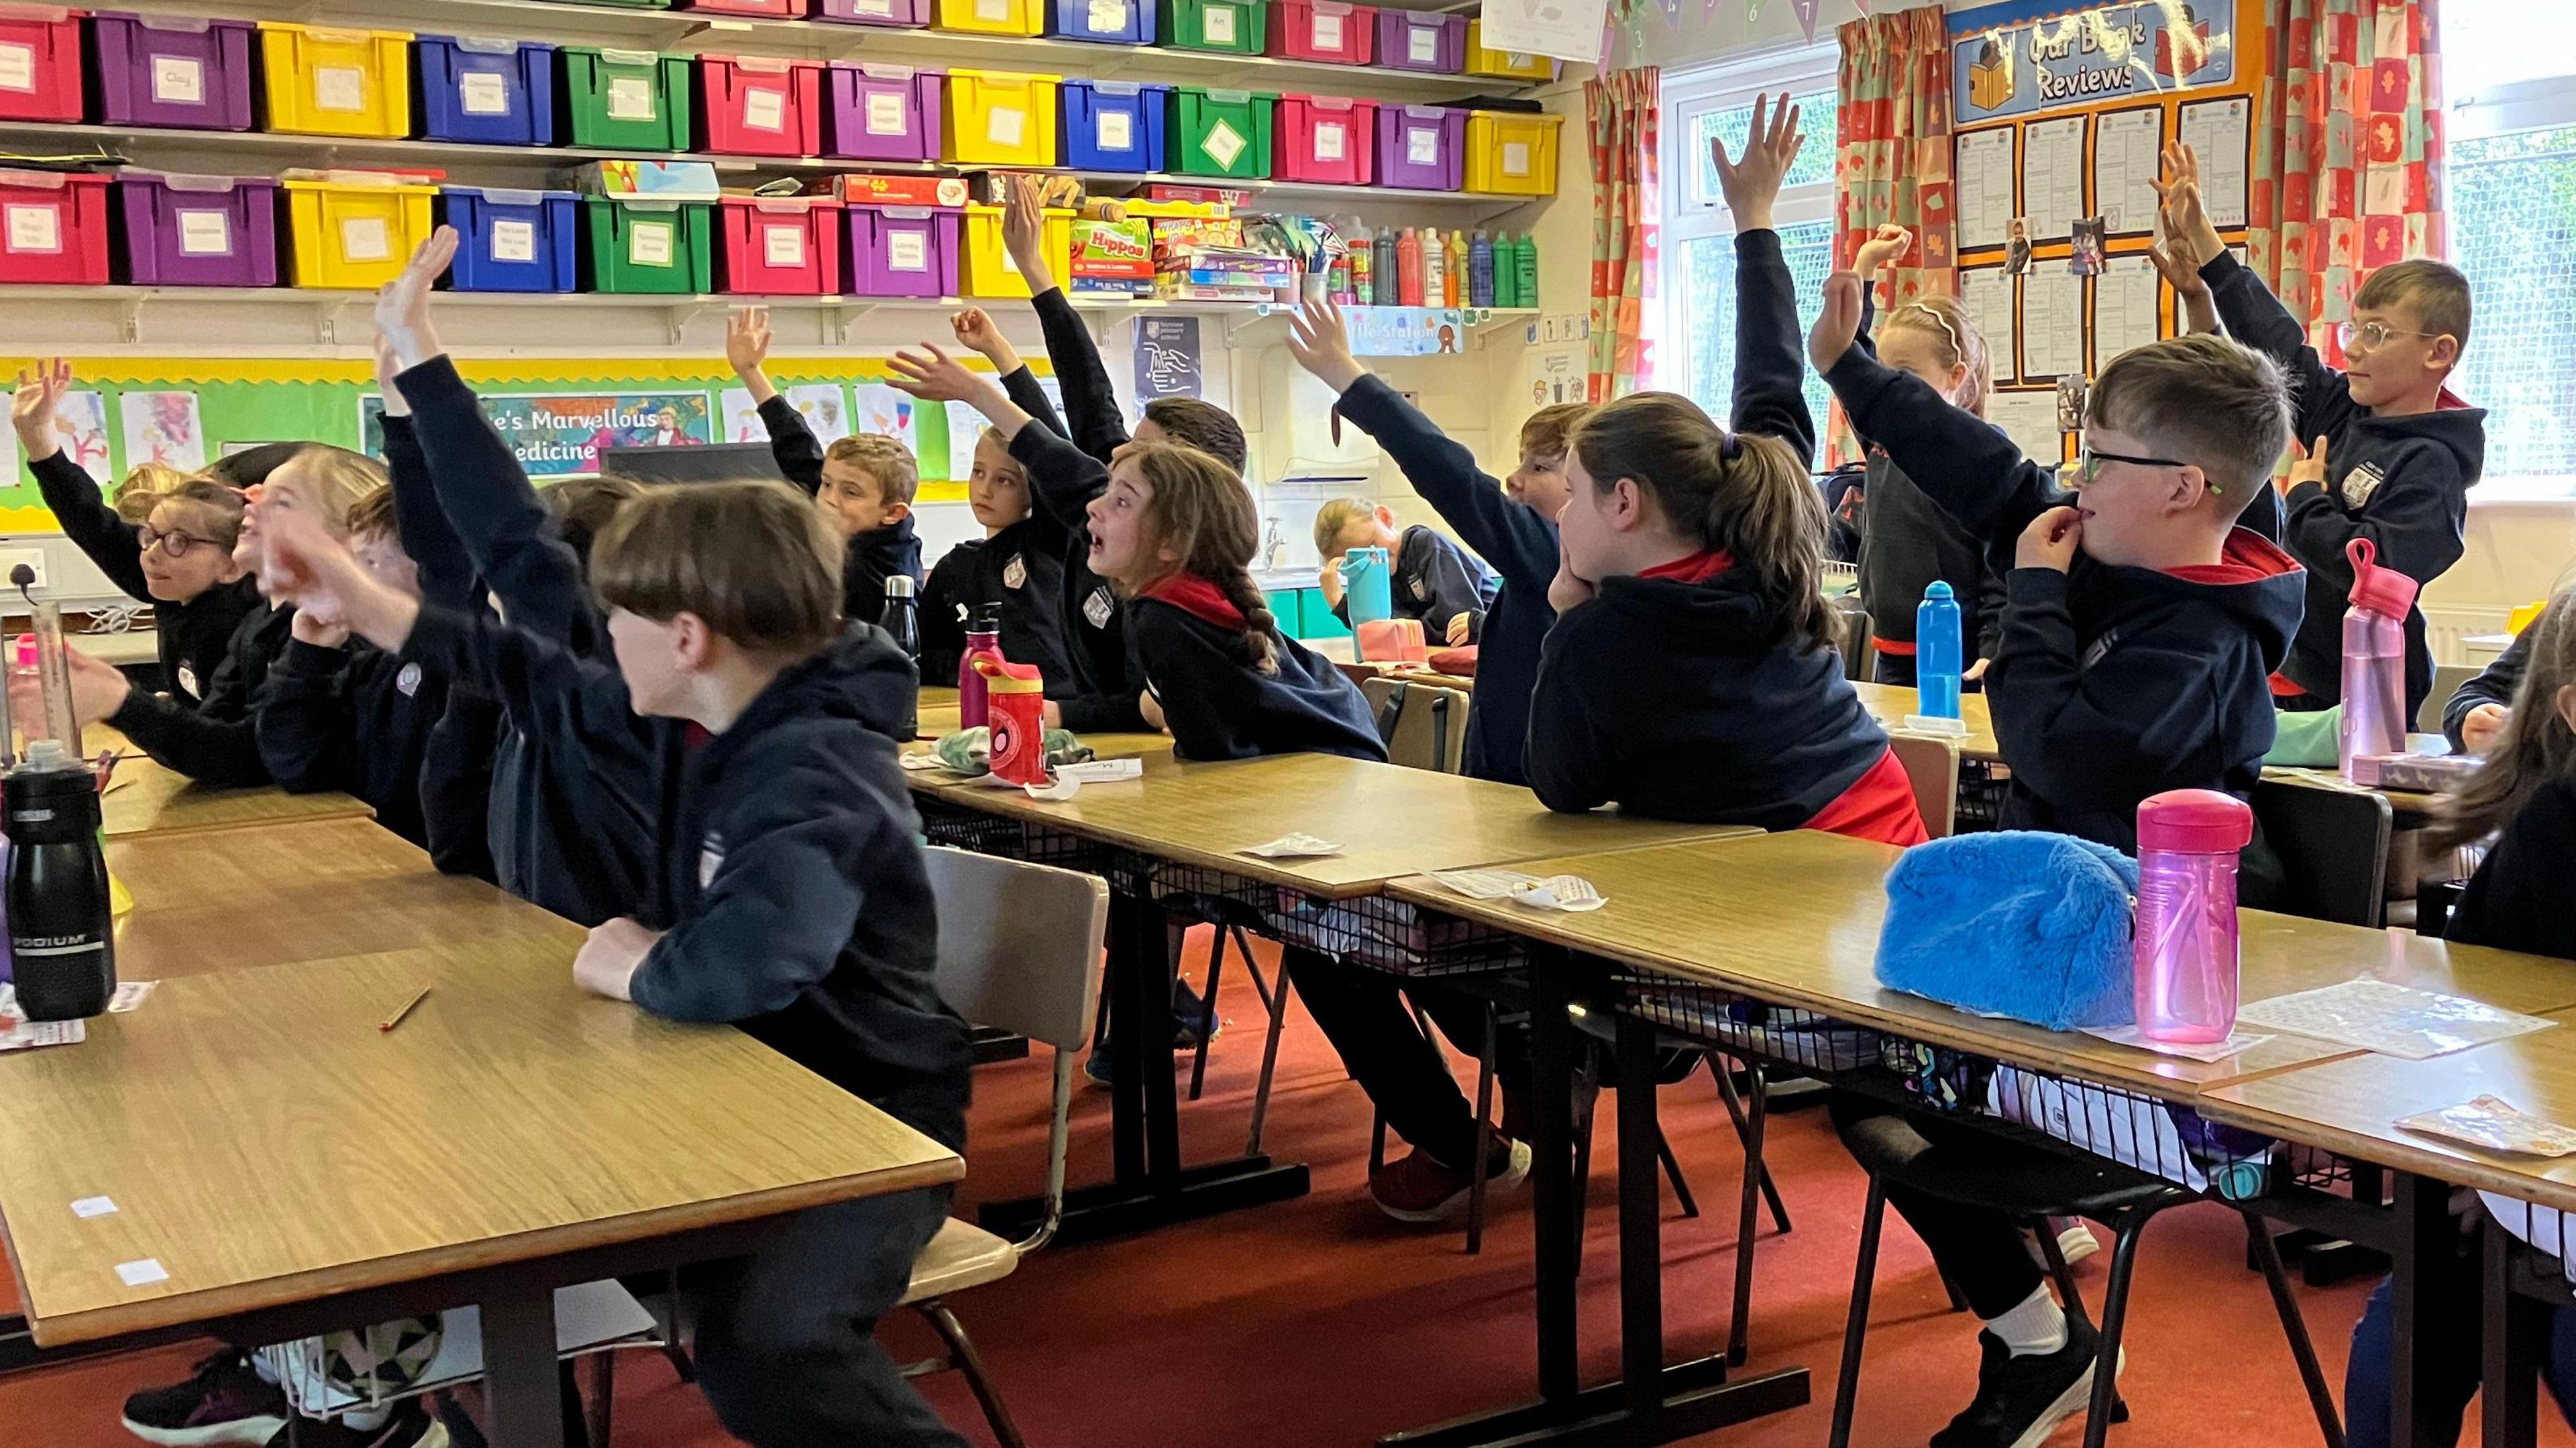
x: 863, y: 103
x: 910, y: 14
x: 164, y: 70
x: 1421, y: 148
x: 198, y: 231
x: 904, y: 251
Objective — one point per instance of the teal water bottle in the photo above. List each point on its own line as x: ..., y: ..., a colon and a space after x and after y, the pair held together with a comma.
x: 1936, y: 653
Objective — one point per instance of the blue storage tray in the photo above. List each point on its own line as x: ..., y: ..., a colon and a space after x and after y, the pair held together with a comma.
x: 513, y: 241
x: 1100, y: 113
x: 497, y: 92
x: 1103, y: 22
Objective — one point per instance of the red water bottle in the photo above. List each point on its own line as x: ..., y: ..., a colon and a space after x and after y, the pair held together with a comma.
x: 1019, y: 720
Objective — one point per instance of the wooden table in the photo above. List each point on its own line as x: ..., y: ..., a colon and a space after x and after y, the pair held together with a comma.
x: 146, y: 797
x: 294, y: 1169
x: 1890, y: 703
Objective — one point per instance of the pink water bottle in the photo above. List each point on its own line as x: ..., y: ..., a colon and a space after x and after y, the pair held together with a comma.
x: 2374, y: 657
x: 983, y: 641
x: 2186, y: 930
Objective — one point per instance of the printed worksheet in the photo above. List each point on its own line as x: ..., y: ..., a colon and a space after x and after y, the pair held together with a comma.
x: 1984, y: 180
x: 1986, y: 295
x: 2052, y: 177
x: 2125, y: 147
x: 2217, y: 131
x: 2126, y: 307
x: 2391, y: 1019
x: 2030, y: 420
x: 2052, y: 322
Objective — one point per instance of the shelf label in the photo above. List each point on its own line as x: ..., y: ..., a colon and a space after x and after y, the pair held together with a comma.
x: 1006, y: 125
x: 17, y: 67
x: 630, y: 98
x: 908, y: 251
x: 339, y: 88
x: 483, y: 93
x: 995, y: 11
x: 1108, y: 17
x: 514, y: 241
x: 764, y: 109
x: 1216, y: 24
x: 648, y: 243
x: 1223, y: 144
x: 1330, y: 141
x: 888, y: 115
x: 884, y: 9
x: 205, y: 233
x: 35, y: 228
x: 1516, y: 158
x: 178, y: 80
x: 783, y: 246
x: 364, y: 238
x: 1117, y: 130
x: 1422, y: 44
x: 1422, y: 145
x: 1328, y: 32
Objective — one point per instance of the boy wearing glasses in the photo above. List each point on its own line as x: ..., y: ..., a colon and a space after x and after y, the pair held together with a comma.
x: 2389, y: 452
x: 179, y: 558
x: 2141, y: 628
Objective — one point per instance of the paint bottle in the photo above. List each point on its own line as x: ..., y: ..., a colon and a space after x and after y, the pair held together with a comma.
x: 1408, y: 267
x: 1480, y: 270
x: 1363, y: 267
x: 1435, y: 268
x: 1459, y: 288
x: 1384, y: 272
x: 1525, y: 268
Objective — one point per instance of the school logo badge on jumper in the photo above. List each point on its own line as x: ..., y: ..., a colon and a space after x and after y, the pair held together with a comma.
x: 2360, y: 483
x: 2100, y: 647
x: 1016, y: 572
x: 188, y: 681
x: 710, y: 860
x: 1421, y: 591
x: 408, y: 681
x: 1098, y: 609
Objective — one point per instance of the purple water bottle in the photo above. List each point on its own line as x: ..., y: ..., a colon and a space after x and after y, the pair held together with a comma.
x: 2374, y: 657
x: 2186, y: 930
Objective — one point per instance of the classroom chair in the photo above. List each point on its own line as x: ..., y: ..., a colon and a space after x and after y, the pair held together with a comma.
x: 1422, y: 725
x: 2333, y: 845
x: 1931, y: 764
x: 2063, y: 1183
x: 1853, y: 634
x: 2447, y: 679
x: 1020, y: 948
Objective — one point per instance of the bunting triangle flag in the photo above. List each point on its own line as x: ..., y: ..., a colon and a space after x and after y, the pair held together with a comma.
x: 1807, y: 15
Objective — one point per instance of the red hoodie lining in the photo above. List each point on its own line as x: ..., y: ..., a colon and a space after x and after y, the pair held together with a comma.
x: 1198, y: 598
x: 1699, y: 567
x: 2247, y: 557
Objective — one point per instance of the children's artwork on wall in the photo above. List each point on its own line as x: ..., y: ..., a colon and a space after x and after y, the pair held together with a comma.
x: 163, y: 428
x: 825, y: 408
x: 742, y: 416
x: 885, y: 412
x: 82, y: 420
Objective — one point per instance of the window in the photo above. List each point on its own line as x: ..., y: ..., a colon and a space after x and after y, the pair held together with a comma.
x: 1698, y: 291
x: 2509, y: 74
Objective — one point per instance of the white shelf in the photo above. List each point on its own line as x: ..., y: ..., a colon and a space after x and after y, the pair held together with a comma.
x: 693, y: 32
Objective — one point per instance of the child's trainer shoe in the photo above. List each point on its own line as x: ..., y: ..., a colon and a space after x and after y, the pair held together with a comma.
x: 1417, y: 1188
x: 2021, y: 1400
x: 409, y: 1427
x: 223, y: 1401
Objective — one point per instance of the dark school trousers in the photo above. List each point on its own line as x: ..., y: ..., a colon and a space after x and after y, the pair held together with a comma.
x: 1981, y: 1251
x: 1362, y: 1013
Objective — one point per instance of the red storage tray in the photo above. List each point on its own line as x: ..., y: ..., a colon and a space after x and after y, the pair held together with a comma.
x: 40, y: 63
x: 786, y: 246
x: 53, y: 228
x: 752, y: 105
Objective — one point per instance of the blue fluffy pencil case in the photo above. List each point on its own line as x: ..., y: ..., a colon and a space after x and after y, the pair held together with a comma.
x: 2015, y: 923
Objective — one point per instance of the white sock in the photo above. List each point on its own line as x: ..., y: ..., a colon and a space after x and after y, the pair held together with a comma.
x: 2038, y: 1325
x: 368, y: 1420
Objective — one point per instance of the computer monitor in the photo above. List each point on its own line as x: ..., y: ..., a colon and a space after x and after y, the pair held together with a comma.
x: 700, y: 463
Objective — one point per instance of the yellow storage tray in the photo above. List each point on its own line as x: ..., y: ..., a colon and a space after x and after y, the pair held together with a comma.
x: 353, y: 233
x: 1510, y: 64
x: 998, y: 118
x: 1512, y: 153
x: 327, y: 82
x: 988, y: 270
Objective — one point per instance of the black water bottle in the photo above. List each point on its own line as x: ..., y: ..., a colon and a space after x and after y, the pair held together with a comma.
x: 62, y: 942
x: 902, y: 619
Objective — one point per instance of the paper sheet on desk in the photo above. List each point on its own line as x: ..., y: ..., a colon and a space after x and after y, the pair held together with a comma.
x: 1556, y: 892
x: 1296, y: 847
x: 2393, y: 1020
x: 2235, y: 1043
x: 2496, y: 1124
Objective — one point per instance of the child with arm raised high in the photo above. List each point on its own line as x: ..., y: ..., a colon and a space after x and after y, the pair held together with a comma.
x: 178, y: 557
x: 1511, y: 524
x: 2390, y: 453
x: 789, y: 896
x: 1691, y: 556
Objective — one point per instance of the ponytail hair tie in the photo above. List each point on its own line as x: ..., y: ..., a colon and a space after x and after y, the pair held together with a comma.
x: 1731, y: 448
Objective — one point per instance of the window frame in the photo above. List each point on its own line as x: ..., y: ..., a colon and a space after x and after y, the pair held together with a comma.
x: 1797, y: 67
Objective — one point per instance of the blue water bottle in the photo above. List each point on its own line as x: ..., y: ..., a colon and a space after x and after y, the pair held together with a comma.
x: 1936, y: 653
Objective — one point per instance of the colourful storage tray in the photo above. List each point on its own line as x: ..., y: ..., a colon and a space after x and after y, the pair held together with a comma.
x: 1325, y: 30
x: 53, y: 228
x: 660, y: 248
x: 1417, y: 40
x: 779, y: 247
x: 993, y: 17
x: 627, y: 99
x: 1103, y: 22
x: 1236, y: 27
x: 513, y: 241
x: 910, y: 14
x: 1423, y: 148
x: 905, y: 251
x: 1114, y: 125
x: 496, y: 92
x: 1219, y: 133
x: 197, y: 231
x: 1509, y: 64
x: 989, y: 271
x: 769, y: 9
x: 355, y: 233
x: 1327, y: 139
x: 40, y: 65
x: 1511, y: 152
x: 754, y: 105
x: 168, y: 70
x: 999, y: 118
x: 882, y: 113
x: 324, y: 82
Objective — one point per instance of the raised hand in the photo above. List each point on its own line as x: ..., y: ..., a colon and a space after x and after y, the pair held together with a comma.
x: 33, y: 406
x: 302, y: 564
x: 975, y: 329
x: 1320, y: 340
x: 1884, y: 248
x: 747, y: 339
x: 1770, y: 147
x: 388, y: 367
x: 2307, y: 467
x: 1024, y: 234
x: 935, y: 378
x: 1837, y: 322
x: 2189, y: 236
x: 402, y: 305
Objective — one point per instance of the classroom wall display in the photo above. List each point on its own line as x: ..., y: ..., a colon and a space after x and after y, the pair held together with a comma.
x: 2020, y: 58
x: 1167, y: 357
x: 561, y: 435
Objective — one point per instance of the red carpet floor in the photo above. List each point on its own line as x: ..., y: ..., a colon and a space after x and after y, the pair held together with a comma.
x: 1319, y: 1321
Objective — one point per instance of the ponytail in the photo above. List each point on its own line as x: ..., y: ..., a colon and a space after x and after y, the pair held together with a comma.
x: 2538, y: 745
x: 1199, y: 511
x: 1744, y: 495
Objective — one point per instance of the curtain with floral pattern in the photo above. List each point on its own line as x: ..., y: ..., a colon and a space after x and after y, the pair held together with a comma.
x: 1626, y: 213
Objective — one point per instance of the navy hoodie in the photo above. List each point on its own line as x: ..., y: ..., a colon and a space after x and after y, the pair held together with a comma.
x: 2517, y: 900
x: 2495, y: 684
x: 1190, y: 648
x: 1688, y: 700
x: 1517, y: 539
x: 456, y: 754
x: 788, y: 872
x: 1022, y: 569
x: 873, y: 556
x: 574, y: 790
x: 1068, y: 466
x: 193, y: 637
x: 2401, y: 482
x: 217, y: 742
x: 2111, y: 683
x: 1434, y: 581
x: 352, y: 718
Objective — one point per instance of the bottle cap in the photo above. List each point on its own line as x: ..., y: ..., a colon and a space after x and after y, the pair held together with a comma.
x: 1010, y: 678
x: 2194, y: 822
x: 2379, y: 590
x: 899, y: 586
x: 1937, y: 588
x: 48, y: 754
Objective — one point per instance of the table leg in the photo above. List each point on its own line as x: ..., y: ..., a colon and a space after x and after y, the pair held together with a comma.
x: 522, y: 1391
x: 1149, y: 1185
x: 1641, y: 1254
x: 2516, y: 1330
x: 2424, y: 1233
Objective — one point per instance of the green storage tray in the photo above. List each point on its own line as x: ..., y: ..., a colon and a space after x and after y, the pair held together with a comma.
x: 646, y: 247
x: 1223, y: 133
x: 631, y: 100
x: 1241, y: 27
